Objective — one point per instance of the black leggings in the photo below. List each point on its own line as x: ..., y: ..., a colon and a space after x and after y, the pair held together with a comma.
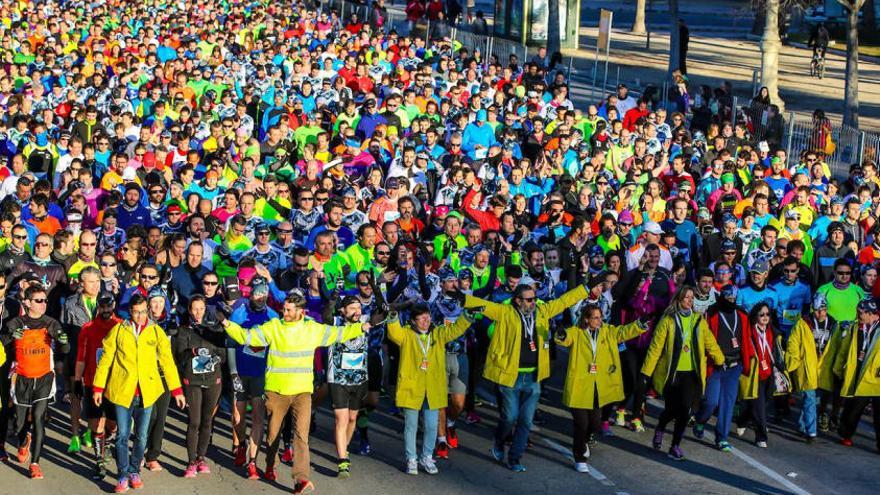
x: 39, y: 413
x: 852, y: 412
x: 680, y: 396
x: 756, y: 410
x: 586, y: 422
x: 631, y: 361
x: 157, y: 427
x: 201, y: 401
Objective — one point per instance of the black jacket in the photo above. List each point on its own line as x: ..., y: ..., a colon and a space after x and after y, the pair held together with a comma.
x: 193, y: 345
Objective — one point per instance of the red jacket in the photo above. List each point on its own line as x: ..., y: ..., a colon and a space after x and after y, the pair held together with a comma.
x: 486, y: 219
x: 747, y: 348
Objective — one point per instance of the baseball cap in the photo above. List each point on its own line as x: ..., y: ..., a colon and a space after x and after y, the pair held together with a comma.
x: 259, y: 284
x: 791, y: 213
x: 728, y: 245
x: 727, y: 178
x: 106, y: 299
x: 819, y: 302
x: 156, y: 291
x: 596, y: 250
x: 447, y: 273
x: 465, y: 273
x: 763, y: 146
x: 653, y: 228
x: 836, y: 200
x: 625, y: 216
x: 728, y: 218
x: 74, y: 216
x: 129, y: 174
x: 684, y: 185
x: 760, y: 266
x: 868, y: 305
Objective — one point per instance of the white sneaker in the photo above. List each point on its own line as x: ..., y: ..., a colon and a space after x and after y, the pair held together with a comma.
x: 762, y: 445
x: 412, y: 466
x: 428, y: 465
x: 740, y: 431
x: 581, y: 467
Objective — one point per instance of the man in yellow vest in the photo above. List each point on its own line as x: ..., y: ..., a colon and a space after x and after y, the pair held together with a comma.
x: 289, y: 375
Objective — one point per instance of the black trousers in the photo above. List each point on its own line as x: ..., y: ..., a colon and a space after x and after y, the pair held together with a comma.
x: 631, y: 361
x: 756, y: 411
x: 680, y: 396
x: 586, y: 422
x: 852, y: 412
x: 157, y: 427
x: 201, y: 403
x: 39, y: 414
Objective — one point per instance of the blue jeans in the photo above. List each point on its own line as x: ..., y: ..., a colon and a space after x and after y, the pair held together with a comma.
x: 429, y: 430
x: 807, y: 419
x: 721, y: 391
x: 128, y: 465
x: 518, y: 404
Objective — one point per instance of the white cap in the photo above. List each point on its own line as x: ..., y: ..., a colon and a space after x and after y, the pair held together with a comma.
x: 653, y: 228
x: 129, y: 174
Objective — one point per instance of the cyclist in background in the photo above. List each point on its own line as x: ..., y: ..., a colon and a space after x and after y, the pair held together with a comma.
x: 819, y: 38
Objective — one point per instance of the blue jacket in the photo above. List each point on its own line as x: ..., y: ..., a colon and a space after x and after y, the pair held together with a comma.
x: 139, y: 215
x: 749, y: 297
x: 250, y: 361
x: 792, y: 300
x: 477, y: 135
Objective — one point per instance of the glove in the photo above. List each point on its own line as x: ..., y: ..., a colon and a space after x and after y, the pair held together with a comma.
x: 18, y: 333
x: 458, y: 296
x: 62, y: 338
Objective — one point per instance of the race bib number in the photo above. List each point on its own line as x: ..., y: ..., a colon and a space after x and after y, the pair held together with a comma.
x: 354, y: 360
x: 259, y: 352
x: 790, y: 316
x: 202, y: 365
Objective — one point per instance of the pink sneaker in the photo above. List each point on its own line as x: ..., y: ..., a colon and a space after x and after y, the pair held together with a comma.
x: 191, y: 470
x: 202, y: 467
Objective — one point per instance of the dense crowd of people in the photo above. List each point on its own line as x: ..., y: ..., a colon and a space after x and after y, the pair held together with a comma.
x: 263, y: 204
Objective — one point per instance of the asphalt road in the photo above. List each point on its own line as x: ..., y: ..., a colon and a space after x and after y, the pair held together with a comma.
x: 623, y: 464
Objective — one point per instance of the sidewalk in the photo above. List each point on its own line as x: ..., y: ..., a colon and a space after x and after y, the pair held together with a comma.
x: 714, y: 59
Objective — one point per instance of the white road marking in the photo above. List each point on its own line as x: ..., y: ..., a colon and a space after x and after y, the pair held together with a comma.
x: 782, y: 480
x: 595, y: 473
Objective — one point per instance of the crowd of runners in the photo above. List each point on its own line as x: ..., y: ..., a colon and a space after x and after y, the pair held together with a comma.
x: 269, y: 207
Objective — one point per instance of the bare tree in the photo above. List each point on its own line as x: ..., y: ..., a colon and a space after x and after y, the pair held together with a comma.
x: 674, y: 38
x: 851, y: 89
x: 770, y: 46
x: 638, y: 26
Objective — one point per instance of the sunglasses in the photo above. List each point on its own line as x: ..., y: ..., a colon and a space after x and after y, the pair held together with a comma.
x: 844, y: 273
x: 383, y: 253
x: 150, y: 277
x: 209, y: 283
x: 20, y: 237
x: 763, y: 313
x: 41, y: 300
x: 108, y: 265
x: 88, y: 244
x: 42, y: 244
x: 2, y: 286
x: 307, y: 199
x: 528, y: 299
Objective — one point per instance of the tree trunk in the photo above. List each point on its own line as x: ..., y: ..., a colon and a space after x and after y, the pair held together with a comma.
x: 674, y: 39
x: 851, y: 91
x: 554, y: 30
x: 770, y: 45
x: 638, y: 26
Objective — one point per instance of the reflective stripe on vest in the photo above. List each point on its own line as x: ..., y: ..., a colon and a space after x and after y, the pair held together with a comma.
x: 328, y: 333
x: 297, y: 354
x: 272, y: 369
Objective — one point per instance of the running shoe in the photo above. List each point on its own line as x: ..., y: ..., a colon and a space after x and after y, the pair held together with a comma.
x: 24, y: 450
x: 75, y: 445
x: 740, y: 431
x: 658, y: 439
x: 153, y: 466
x: 846, y: 442
x: 724, y: 446
x: 637, y: 425
x: 452, y: 438
x: 191, y: 471
x: 252, y: 472
x: 761, y: 444
x: 344, y: 469
x: 303, y: 486
x: 287, y: 455
x: 472, y: 418
x: 498, y: 454
x: 620, y: 419
x: 100, y: 470
x: 365, y: 448
x: 676, y: 454
x: 203, y: 467
x: 269, y: 474
x: 36, y: 472
x: 581, y: 467
x: 516, y: 466
x: 87, y: 439
x: 606, y: 429
x: 121, y: 486
x: 538, y: 418
x: 442, y: 450
x: 428, y: 465
x: 412, y: 467
x: 698, y: 430
x: 240, y: 455
x: 135, y: 481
